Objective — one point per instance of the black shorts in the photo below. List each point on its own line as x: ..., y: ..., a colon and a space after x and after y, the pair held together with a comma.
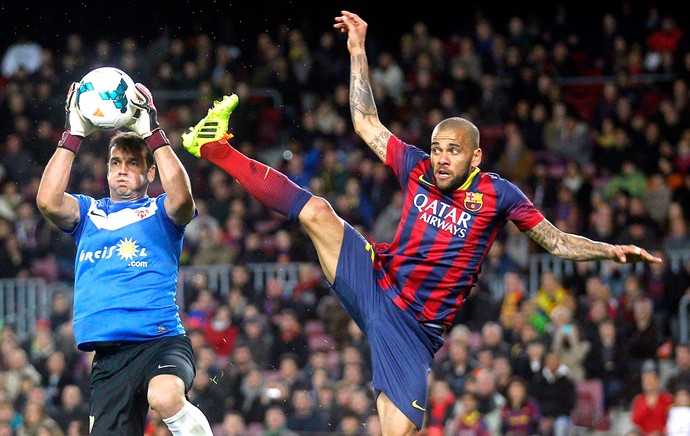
x: 120, y: 377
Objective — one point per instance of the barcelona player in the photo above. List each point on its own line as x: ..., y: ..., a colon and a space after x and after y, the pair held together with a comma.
x: 404, y: 294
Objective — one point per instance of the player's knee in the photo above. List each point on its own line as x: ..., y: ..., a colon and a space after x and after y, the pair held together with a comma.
x: 166, y: 395
x: 316, y: 211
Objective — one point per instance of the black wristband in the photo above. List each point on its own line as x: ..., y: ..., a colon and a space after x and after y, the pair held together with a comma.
x: 70, y: 142
x: 157, y: 139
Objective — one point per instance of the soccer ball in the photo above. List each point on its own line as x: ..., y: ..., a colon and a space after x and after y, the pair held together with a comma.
x: 104, y: 97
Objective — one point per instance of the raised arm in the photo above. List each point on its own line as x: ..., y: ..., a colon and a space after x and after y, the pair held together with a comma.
x: 579, y: 248
x: 365, y: 117
x: 54, y: 203
x: 179, y: 203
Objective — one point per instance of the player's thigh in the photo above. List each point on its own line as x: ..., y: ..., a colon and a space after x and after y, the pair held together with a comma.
x: 393, y: 420
x: 325, y: 228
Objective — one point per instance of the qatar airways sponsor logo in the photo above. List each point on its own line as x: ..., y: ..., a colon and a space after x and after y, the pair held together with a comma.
x: 444, y: 216
x: 126, y: 249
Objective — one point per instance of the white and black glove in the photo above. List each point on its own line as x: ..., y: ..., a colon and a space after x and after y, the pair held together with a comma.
x: 76, y: 127
x: 145, y: 121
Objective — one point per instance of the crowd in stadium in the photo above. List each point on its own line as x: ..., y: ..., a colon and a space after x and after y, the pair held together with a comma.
x: 592, y: 123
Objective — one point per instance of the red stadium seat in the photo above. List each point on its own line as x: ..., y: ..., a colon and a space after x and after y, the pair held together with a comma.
x: 589, y: 409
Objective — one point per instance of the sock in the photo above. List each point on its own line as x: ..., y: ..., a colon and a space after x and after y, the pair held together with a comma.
x: 188, y: 421
x: 271, y: 188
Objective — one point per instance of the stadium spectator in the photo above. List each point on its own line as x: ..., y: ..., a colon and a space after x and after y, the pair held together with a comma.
x: 678, y: 421
x: 678, y: 376
x: 304, y: 415
x: 606, y: 361
x: 520, y: 414
x: 555, y: 392
x: 467, y: 418
x: 651, y: 406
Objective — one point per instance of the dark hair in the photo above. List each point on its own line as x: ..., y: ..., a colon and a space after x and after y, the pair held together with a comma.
x: 131, y: 143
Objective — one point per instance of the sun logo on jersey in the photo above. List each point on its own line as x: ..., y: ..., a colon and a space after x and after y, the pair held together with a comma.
x: 473, y: 201
x: 127, y: 249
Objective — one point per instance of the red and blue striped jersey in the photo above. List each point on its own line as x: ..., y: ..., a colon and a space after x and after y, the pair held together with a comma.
x: 437, y: 252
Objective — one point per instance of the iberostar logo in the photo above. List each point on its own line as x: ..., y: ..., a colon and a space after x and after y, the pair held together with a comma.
x: 126, y: 249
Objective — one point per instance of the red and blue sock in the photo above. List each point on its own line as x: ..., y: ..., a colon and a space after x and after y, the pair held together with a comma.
x: 271, y: 188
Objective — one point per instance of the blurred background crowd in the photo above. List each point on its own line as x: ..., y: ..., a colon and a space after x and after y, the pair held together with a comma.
x: 589, y: 117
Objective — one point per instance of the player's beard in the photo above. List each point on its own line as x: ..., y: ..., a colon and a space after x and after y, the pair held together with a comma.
x: 454, y: 182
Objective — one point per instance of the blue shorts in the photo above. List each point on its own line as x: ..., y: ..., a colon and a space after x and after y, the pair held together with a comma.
x: 402, y: 348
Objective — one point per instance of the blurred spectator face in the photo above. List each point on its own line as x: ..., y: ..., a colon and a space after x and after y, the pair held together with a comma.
x: 274, y: 289
x: 501, y: 367
x: 682, y: 398
x: 56, y: 362
x: 650, y: 382
x: 492, y: 334
x: 275, y: 418
x: 233, y: 424
x: 440, y: 390
x: 528, y: 333
x: 457, y: 352
x: 683, y: 357
x: 302, y: 401
x: 469, y: 402
x: 33, y: 414
x: 288, y: 368
x: 598, y: 310
x: 6, y: 411
x: 360, y: 402
x: 549, y: 282
x: 643, y: 311
x: 349, y: 425
x: 552, y: 362
x: 486, y: 383
x: 607, y: 332
x: 352, y: 373
x: 517, y: 391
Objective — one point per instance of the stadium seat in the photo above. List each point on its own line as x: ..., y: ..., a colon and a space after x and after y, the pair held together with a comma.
x: 589, y: 409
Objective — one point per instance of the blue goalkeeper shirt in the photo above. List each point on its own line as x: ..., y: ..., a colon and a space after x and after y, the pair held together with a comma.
x: 125, y: 271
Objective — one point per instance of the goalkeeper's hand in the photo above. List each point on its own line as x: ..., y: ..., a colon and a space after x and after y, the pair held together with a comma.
x: 145, y: 121
x: 76, y: 127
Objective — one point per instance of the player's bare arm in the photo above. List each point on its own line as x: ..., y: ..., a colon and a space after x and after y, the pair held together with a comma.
x: 179, y: 202
x: 578, y: 248
x: 57, y: 206
x: 365, y: 117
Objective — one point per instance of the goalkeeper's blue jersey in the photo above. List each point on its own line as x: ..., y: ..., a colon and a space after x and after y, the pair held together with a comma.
x: 125, y: 271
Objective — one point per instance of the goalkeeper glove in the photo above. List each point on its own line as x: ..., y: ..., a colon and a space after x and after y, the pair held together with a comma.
x: 76, y: 127
x: 145, y: 122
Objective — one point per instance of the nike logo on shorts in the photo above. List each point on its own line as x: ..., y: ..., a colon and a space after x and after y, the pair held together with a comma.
x: 166, y: 366
x: 417, y: 406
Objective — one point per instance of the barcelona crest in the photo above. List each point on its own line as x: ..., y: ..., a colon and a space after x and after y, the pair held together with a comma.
x: 473, y: 201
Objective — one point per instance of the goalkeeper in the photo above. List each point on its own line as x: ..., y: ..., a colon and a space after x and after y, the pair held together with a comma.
x: 128, y: 252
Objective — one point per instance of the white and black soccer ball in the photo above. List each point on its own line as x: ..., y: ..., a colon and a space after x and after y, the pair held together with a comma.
x: 104, y: 97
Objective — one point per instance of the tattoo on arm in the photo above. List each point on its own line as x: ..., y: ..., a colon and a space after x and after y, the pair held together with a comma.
x: 362, y: 104
x: 567, y: 245
x: 380, y: 144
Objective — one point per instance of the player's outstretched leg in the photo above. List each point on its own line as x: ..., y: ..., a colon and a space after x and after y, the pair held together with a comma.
x: 209, y: 140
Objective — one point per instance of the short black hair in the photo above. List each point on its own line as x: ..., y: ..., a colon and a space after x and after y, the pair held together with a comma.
x: 131, y: 143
